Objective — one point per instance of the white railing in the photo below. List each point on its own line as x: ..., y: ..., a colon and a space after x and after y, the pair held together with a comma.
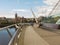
x: 15, y: 38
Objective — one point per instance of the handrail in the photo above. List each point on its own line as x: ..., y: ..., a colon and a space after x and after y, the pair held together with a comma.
x: 15, y: 38
x: 12, y: 38
x: 14, y: 25
x: 7, y: 27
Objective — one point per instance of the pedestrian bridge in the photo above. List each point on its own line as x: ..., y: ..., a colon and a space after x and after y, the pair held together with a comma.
x: 26, y: 34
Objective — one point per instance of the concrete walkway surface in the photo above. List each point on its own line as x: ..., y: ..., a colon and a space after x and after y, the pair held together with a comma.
x: 32, y: 38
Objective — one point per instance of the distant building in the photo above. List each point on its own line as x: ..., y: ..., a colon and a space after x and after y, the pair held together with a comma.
x: 17, y: 19
x: 16, y: 16
x: 2, y: 18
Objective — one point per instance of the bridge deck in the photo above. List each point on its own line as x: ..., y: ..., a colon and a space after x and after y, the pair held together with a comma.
x: 37, y: 36
x: 31, y: 37
x: 50, y: 36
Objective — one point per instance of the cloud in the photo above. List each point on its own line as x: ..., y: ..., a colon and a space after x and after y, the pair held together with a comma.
x: 7, y: 14
x: 57, y: 10
x: 20, y: 10
x: 23, y: 12
x: 40, y: 10
x: 43, y: 10
x: 50, y: 2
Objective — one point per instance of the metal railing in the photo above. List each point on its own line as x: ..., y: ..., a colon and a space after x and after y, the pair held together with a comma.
x: 7, y: 29
x: 15, y: 38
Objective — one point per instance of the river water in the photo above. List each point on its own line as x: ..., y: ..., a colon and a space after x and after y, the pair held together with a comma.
x: 4, y: 36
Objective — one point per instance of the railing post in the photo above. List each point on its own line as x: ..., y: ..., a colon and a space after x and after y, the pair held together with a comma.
x: 9, y: 32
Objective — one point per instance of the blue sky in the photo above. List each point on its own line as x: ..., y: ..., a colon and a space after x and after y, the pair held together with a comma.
x: 17, y: 4
x: 21, y: 5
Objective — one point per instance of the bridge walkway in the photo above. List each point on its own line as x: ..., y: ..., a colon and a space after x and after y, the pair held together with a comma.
x: 50, y: 36
x: 30, y: 37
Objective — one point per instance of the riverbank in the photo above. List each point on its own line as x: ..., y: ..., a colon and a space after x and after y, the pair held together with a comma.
x: 4, y: 25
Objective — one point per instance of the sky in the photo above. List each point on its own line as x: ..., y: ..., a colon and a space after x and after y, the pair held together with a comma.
x: 8, y: 8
